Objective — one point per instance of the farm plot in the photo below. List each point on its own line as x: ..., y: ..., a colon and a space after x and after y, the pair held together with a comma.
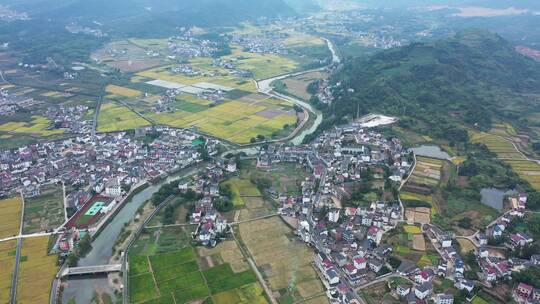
x: 45, y: 211
x: 7, y: 264
x: 298, y: 85
x: 38, y: 125
x: 527, y: 170
x: 241, y: 188
x: 172, y: 271
x: 498, y: 145
x: 238, y: 120
x: 115, y: 117
x: 10, y: 209
x: 226, y: 252
x: 122, y: 91
x: 284, y: 260
x: 37, y: 271
x: 427, y: 171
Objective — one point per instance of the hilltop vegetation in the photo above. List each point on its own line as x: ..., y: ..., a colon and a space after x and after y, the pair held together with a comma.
x: 470, y: 79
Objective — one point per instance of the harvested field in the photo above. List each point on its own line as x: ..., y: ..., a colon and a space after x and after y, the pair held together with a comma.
x: 37, y: 271
x: 10, y: 209
x: 419, y: 243
x: 7, y: 265
x: 225, y: 252
x: 282, y: 258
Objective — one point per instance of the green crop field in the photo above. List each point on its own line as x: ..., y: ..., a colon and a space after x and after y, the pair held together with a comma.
x: 176, y: 275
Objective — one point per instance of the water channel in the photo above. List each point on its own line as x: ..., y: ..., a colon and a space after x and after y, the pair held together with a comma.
x: 83, y: 289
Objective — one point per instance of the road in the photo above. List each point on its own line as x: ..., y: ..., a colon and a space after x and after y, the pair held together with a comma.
x: 15, y: 276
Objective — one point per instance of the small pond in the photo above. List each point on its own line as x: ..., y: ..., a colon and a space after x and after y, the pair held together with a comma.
x: 494, y: 197
x: 430, y: 151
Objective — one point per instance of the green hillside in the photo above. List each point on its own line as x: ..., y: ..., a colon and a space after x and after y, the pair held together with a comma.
x: 471, y: 78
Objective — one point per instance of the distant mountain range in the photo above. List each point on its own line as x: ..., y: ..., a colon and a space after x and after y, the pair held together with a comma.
x: 147, y: 17
x: 473, y: 78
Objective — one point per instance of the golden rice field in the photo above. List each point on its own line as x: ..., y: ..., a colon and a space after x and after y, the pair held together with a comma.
x: 284, y: 261
x: 38, y: 126
x: 122, y: 91
x: 497, y: 144
x: 7, y: 265
x: 262, y: 65
x: 236, y: 121
x: 115, y: 117
x: 412, y: 229
x: 37, y: 271
x: 10, y: 209
x: 526, y: 169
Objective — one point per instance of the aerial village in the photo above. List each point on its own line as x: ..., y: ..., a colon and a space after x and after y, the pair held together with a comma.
x: 98, y: 173
x: 349, y: 241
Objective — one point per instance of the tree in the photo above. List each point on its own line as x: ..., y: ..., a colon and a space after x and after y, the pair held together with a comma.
x: 72, y: 259
x: 465, y: 223
x: 85, y: 245
x: 223, y: 205
x: 533, y: 200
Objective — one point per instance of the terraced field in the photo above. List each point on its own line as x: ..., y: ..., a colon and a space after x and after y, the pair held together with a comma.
x: 528, y: 170
x: 427, y: 171
x: 37, y: 271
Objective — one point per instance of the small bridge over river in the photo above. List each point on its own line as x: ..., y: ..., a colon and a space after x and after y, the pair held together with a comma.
x: 90, y: 270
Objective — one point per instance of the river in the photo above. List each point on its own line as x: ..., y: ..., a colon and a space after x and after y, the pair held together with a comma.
x: 83, y: 289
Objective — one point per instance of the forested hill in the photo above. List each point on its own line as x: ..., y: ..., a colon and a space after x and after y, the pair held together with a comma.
x: 473, y: 78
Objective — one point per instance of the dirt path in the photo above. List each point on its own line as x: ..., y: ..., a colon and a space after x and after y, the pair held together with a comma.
x: 260, y: 278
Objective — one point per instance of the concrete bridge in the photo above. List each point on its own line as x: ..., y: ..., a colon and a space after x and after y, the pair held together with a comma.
x: 86, y: 270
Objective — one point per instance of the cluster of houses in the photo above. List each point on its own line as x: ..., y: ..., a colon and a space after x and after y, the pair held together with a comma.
x: 105, y: 163
x: 346, y: 238
x: 211, y: 226
x: 71, y: 119
x: 187, y: 45
x: 12, y: 102
x: 266, y: 43
x: 526, y: 294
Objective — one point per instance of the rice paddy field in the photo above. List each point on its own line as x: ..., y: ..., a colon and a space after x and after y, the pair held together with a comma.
x: 497, y: 144
x: 7, y: 265
x: 242, y: 188
x: 38, y: 125
x: 282, y: 258
x: 45, y: 211
x: 10, y: 224
x: 122, y: 91
x: 528, y: 170
x: 180, y: 273
x: 115, y: 117
x: 236, y: 120
x: 37, y: 271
